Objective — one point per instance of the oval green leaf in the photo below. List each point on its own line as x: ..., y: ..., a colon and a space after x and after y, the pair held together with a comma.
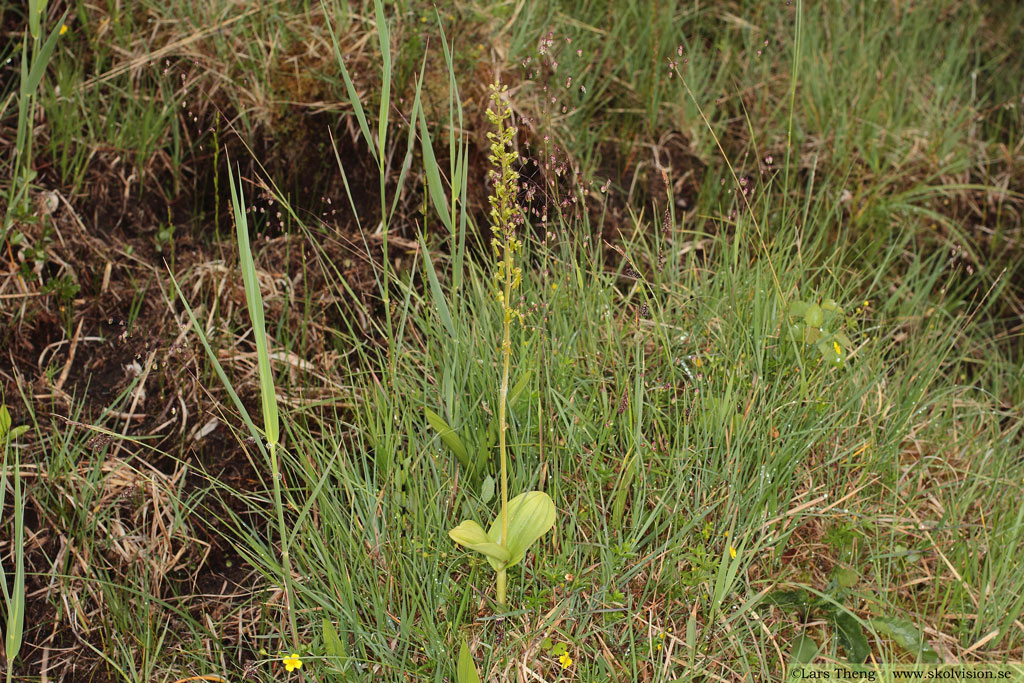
x: 907, y: 636
x: 847, y: 578
x: 530, y: 516
x: 814, y: 316
x: 828, y: 351
x: 473, y: 536
x: 798, y: 309
x: 851, y: 638
x: 487, y: 489
x: 803, y: 651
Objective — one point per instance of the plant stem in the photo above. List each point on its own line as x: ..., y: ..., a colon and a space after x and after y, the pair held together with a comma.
x: 289, y: 591
x: 501, y: 585
x: 506, y: 352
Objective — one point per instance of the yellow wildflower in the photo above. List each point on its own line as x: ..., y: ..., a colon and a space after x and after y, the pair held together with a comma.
x: 292, y: 662
x: 63, y: 29
x: 565, y: 660
x: 732, y: 552
x: 839, y: 349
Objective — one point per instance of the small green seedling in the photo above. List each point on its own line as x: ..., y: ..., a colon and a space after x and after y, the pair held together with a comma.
x: 817, y: 324
x: 553, y: 648
x: 5, y: 427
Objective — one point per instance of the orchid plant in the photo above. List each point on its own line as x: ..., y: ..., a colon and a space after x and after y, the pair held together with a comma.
x: 530, y: 515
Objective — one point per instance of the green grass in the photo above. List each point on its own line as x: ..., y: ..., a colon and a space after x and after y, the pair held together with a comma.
x: 705, y: 465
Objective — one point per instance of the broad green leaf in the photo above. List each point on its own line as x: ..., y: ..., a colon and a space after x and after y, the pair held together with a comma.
x: 803, y: 651
x: 851, y: 638
x: 334, y: 648
x: 450, y: 438
x: 798, y: 309
x: 18, y: 431
x: 847, y: 578
x: 828, y: 351
x: 811, y: 335
x: 530, y: 516
x: 814, y: 316
x: 907, y: 636
x: 466, y: 672
x: 830, y: 305
x: 473, y: 536
x: 487, y: 489
x: 559, y: 649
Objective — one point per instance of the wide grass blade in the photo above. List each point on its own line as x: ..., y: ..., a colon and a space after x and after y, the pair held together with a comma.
x: 433, y: 173
x: 467, y: 669
x: 15, y: 599
x: 350, y: 88
x: 437, y: 294
x: 450, y: 437
x: 254, y: 300
x: 41, y: 59
x: 384, y: 35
